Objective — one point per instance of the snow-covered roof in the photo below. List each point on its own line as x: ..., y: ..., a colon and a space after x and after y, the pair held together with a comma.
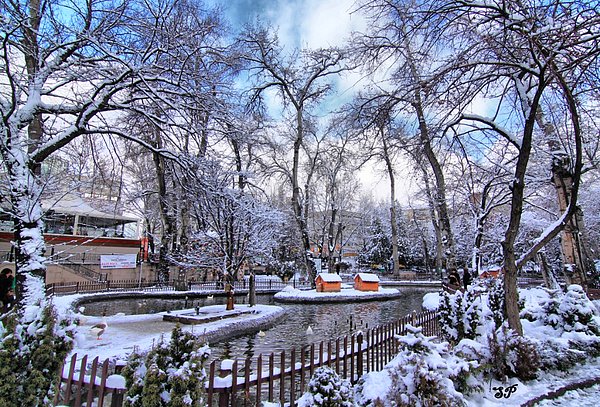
x: 368, y: 277
x: 330, y: 277
x: 75, y: 205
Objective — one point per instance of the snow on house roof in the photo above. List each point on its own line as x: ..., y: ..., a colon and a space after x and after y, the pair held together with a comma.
x: 75, y: 205
x: 368, y: 277
x: 330, y: 277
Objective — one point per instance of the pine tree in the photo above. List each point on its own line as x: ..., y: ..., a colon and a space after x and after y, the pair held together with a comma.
x: 33, y: 347
x: 577, y: 312
x: 175, y: 373
x: 327, y: 389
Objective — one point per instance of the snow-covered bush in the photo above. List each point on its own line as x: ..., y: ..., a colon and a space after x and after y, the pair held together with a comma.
x: 496, y: 300
x: 459, y: 315
x: 513, y: 355
x: 423, y: 374
x: 169, y: 375
x: 33, y: 346
x: 551, y: 315
x: 282, y: 269
x: 556, y: 355
x: 577, y: 312
x: 327, y: 389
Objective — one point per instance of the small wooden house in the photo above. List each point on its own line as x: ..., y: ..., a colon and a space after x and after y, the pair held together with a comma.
x: 366, y: 282
x: 494, y: 272
x: 328, y: 283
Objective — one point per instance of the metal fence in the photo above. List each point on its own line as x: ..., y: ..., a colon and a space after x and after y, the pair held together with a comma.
x: 88, y: 287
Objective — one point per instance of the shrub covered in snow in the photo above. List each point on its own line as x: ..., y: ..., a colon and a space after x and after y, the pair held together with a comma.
x: 459, y: 315
x: 496, y: 300
x: 577, y: 312
x: 33, y: 346
x: 169, y: 375
x: 551, y: 315
x: 423, y: 374
x: 327, y: 389
x: 512, y: 355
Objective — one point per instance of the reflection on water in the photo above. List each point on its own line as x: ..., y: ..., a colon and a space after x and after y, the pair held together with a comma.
x: 327, y: 321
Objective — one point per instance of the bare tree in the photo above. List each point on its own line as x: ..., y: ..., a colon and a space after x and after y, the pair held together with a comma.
x: 76, y: 68
x: 301, y: 79
x: 402, y: 64
x: 508, y: 51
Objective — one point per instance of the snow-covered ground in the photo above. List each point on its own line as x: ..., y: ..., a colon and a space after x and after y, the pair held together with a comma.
x: 126, y: 332
x: 347, y: 293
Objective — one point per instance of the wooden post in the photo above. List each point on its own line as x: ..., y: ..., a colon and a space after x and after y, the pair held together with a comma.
x: 292, y: 377
x: 211, y: 382
x: 234, y: 375
x: 345, y: 357
x: 82, y: 370
x: 258, y: 379
x: 224, y: 371
x: 271, y: 366
x: 302, y: 369
x: 247, y: 379
x: 91, y: 384
x: 359, y: 359
x: 352, y: 356
x: 282, y: 379
x: 337, y: 355
x: 102, y: 389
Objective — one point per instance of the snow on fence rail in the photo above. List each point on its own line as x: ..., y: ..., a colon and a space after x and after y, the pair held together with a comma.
x: 281, y: 377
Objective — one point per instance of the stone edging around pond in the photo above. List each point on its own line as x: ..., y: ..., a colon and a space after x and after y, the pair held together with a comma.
x: 242, y: 327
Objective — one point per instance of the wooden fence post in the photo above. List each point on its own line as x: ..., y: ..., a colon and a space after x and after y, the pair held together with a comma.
x: 359, y: 359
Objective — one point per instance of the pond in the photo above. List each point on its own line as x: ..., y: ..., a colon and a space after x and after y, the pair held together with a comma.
x: 327, y: 321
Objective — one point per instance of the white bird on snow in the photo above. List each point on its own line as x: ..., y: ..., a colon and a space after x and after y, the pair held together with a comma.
x: 309, y: 330
x: 261, y: 333
x: 99, y: 328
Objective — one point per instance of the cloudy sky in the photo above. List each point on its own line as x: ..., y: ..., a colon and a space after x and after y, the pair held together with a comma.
x: 312, y: 23
x: 316, y: 24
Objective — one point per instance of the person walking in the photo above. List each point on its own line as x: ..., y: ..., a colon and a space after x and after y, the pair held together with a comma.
x: 466, y: 278
x: 6, y: 287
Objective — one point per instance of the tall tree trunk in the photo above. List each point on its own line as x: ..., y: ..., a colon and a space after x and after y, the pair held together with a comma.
x: 331, y: 239
x: 439, y: 247
x: 393, y: 212
x: 297, y: 206
x: 166, y: 212
x: 439, y: 195
x: 511, y: 293
x: 29, y: 245
x: 574, y: 264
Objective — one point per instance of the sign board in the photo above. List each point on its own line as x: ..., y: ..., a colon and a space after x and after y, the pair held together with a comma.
x: 118, y: 261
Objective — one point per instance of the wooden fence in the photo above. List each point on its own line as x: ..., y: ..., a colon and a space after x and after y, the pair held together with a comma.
x: 281, y: 377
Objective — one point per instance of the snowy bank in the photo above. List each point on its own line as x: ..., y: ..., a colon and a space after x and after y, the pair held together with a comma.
x: 293, y: 295
x: 128, y: 332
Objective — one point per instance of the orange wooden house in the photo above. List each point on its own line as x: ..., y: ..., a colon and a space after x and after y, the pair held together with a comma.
x: 328, y: 283
x: 366, y: 282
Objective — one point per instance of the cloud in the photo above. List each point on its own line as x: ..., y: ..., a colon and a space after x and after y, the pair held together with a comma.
x: 329, y: 23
